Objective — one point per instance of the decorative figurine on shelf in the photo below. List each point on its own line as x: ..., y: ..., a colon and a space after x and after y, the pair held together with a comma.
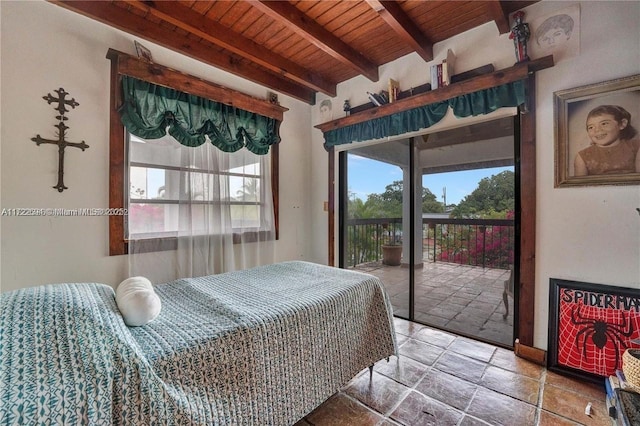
x: 520, y: 35
x: 346, y: 107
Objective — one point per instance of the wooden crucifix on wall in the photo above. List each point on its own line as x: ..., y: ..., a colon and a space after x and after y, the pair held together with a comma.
x: 62, y: 128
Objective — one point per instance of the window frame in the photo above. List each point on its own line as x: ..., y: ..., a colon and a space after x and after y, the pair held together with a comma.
x: 124, y: 64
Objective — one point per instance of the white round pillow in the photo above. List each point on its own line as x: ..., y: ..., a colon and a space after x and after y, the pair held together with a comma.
x: 137, y: 301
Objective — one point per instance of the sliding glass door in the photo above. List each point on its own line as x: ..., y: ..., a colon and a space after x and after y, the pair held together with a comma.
x: 375, y: 222
x: 435, y: 218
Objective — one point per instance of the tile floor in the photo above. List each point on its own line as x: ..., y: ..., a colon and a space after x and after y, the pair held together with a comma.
x: 460, y: 298
x: 445, y: 379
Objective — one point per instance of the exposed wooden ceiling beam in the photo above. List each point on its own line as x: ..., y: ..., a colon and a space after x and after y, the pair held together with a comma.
x: 120, y: 18
x: 291, y: 16
x: 400, y: 22
x: 499, y: 15
x: 216, y: 33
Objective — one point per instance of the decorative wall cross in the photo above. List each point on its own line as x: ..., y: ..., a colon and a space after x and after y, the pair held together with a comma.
x: 62, y: 128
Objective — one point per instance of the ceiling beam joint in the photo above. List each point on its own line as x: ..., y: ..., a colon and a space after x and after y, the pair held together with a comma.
x: 120, y: 18
x: 199, y: 25
x: 292, y: 17
x: 402, y: 24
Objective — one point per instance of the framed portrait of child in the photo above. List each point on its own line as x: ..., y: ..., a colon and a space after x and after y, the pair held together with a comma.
x: 597, y: 141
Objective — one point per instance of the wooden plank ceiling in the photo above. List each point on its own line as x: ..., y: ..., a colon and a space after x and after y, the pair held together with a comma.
x: 298, y: 47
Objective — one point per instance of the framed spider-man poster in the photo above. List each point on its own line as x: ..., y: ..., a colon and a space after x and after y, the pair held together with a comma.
x: 590, y: 327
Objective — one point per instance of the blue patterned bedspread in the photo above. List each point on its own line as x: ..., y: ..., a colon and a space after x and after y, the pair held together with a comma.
x: 263, y: 346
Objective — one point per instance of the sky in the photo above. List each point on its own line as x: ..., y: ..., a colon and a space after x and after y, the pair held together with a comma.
x: 369, y: 176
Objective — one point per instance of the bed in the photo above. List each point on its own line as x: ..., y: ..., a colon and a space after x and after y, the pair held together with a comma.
x: 254, y: 347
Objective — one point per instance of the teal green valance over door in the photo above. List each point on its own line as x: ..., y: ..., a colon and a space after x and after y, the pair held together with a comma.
x: 476, y: 103
x: 150, y: 111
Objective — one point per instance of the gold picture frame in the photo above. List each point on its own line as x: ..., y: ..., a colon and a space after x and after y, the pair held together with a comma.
x: 571, y: 109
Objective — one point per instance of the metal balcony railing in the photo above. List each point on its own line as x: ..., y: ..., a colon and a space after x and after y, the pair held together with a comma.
x: 477, y: 242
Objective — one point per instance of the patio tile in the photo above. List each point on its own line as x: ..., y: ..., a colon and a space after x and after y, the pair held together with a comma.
x: 571, y: 405
x: 447, y: 388
x: 491, y: 298
x: 460, y: 298
x: 471, y: 317
x: 498, y: 316
x: 401, y: 312
x: 420, y: 351
x: 480, y: 311
x: 402, y: 369
x: 506, y: 359
x: 496, y: 336
x: 341, y: 410
x: 433, y: 320
x: 435, y: 337
x: 512, y: 384
x: 401, y: 338
x: 550, y: 419
x: 472, y: 421
x: 573, y: 385
x: 380, y: 392
x: 443, y: 312
x: 461, y: 366
x: 473, y: 349
x: 498, y: 409
x: 406, y: 327
x: 417, y: 409
x: 463, y: 327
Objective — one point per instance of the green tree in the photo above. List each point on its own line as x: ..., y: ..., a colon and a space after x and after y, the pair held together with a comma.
x: 493, y: 198
x: 358, y: 209
x: 389, y: 203
x: 430, y: 203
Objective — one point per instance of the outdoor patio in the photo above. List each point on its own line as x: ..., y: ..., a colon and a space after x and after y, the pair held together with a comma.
x: 459, y: 298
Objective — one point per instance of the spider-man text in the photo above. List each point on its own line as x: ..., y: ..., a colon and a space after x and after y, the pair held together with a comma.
x: 600, y: 300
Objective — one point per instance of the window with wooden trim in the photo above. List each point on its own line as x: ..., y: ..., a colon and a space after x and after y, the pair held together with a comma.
x: 146, y: 174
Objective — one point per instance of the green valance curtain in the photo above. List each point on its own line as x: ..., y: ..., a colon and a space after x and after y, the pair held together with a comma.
x: 476, y: 103
x: 149, y: 110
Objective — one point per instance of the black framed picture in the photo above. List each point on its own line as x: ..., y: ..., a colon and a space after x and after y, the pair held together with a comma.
x: 590, y: 327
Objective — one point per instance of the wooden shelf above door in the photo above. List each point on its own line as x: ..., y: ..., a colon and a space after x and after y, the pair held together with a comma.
x: 497, y: 78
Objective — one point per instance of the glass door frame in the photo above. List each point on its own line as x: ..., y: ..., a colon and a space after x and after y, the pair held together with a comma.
x: 526, y: 282
x: 343, y: 205
x: 343, y: 198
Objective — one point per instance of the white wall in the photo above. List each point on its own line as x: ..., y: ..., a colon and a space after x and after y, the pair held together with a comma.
x: 45, y: 47
x: 587, y: 234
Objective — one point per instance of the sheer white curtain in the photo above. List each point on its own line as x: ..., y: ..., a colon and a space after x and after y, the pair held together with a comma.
x: 212, y: 211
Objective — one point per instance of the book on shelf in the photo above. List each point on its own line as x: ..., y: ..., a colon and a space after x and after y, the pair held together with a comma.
x: 394, y: 90
x: 448, y: 65
x: 434, y: 76
x: 384, y: 96
x: 441, y: 73
x: 375, y: 99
